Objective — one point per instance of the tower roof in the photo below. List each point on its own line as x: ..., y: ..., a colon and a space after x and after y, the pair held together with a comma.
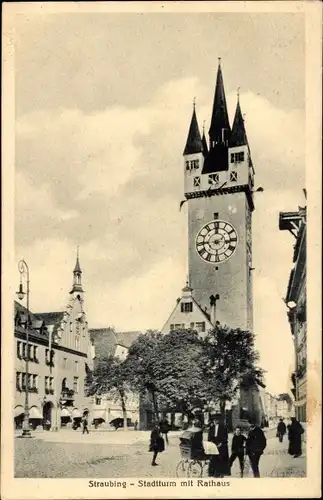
x: 204, y: 144
x: 220, y: 117
x: 238, y: 135
x: 194, y: 141
x: 77, y: 268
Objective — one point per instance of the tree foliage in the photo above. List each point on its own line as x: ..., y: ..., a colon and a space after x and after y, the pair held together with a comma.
x: 230, y: 361
x: 109, y: 376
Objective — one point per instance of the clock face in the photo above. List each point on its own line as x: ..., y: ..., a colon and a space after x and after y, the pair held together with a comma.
x: 216, y: 241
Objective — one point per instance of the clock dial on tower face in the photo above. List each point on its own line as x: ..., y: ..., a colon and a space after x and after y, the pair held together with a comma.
x: 216, y: 241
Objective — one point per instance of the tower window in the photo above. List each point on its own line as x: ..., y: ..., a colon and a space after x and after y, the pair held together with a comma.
x: 186, y: 307
x: 233, y: 176
x: 187, y: 165
x: 213, y: 179
x: 216, y: 215
x: 194, y: 164
x: 197, y: 181
x: 237, y: 157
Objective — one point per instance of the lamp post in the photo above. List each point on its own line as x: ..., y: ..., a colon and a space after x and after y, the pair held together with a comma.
x: 23, y: 269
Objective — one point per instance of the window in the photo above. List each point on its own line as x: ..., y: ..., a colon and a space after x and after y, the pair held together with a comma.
x: 186, y: 307
x: 187, y: 164
x: 216, y: 215
x: 237, y: 157
x: 172, y: 326
x: 233, y: 176
x: 76, y: 385
x: 194, y: 164
x: 46, y: 384
x: 24, y: 351
x: 213, y: 179
x: 35, y: 381
x: 98, y: 401
x: 19, y: 350
x: 197, y: 181
x: 23, y: 384
x: 30, y: 381
x: 35, y: 353
x: 30, y: 352
x: 192, y: 325
x: 200, y: 326
x: 18, y: 377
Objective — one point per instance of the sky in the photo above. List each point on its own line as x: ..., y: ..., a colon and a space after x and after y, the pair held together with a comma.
x: 103, y: 104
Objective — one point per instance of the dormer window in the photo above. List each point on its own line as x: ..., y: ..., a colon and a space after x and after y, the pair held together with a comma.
x: 197, y: 181
x: 233, y: 176
x: 213, y: 179
x: 237, y: 157
x: 186, y: 307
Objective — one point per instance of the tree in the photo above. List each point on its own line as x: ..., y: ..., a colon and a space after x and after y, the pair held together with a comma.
x: 230, y: 361
x: 168, y: 368
x: 109, y: 376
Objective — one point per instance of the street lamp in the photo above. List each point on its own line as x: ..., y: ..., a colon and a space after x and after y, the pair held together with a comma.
x: 23, y: 269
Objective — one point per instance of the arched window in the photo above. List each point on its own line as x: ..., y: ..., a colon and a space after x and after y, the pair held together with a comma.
x: 64, y: 384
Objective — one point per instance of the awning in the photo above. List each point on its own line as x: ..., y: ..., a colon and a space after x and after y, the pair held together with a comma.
x: 76, y: 413
x: 19, y: 410
x: 65, y: 413
x: 35, y: 413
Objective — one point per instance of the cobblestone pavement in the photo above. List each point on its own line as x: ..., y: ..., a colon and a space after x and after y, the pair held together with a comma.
x: 129, y: 457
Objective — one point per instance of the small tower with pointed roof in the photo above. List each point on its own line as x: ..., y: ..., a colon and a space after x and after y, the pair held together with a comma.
x: 193, y: 153
x: 77, y: 288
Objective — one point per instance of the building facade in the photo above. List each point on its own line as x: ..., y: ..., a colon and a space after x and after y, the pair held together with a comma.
x: 59, y: 354
x: 295, y: 223
x: 106, y: 409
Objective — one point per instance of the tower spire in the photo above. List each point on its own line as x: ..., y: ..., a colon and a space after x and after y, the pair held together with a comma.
x: 194, y: 141
x: 77, y: 274
x: 238, y: 135
x: 204, y: 142
x: 220, y: 125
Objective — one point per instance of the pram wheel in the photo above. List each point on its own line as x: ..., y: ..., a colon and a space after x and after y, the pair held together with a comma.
x: 182, y: 468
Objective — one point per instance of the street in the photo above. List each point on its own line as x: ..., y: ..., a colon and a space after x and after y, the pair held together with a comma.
x: 69, y: 454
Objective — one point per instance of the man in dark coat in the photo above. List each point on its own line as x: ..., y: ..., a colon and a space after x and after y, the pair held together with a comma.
x: 281, y: 430
x: 218, y: 434
x: 295, y: 432
x: 164, y: 429
x: 255, y: 446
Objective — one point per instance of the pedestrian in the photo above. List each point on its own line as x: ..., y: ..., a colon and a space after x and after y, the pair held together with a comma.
x: 281, y: 430
x: 218, y: 434
x: 196, y: 431
x: 136, y: 425
x: 238, y: 449
x: 85, y: 425
x: 164, y: 429
x: 255, y: 446
x: 295, y: 432
x: 157, y: 444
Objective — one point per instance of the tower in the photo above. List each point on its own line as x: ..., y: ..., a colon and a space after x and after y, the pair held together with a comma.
x: 218, y: 185
x: 77, y: 289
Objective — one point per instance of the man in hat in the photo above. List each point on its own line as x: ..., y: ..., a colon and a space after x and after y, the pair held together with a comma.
x: 255, y: 446
x: 218, y: 434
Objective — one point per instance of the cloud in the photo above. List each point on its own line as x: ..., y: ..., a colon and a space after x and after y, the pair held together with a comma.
x: 112, y: 181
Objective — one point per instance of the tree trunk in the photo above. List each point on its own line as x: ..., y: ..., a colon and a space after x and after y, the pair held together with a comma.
x: 124, y: 410
x: 222, y: 408
x: 155, y: 406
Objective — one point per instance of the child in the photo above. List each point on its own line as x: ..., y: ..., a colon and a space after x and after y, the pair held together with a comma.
x: 238, y: 449
x: 157, y: 444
